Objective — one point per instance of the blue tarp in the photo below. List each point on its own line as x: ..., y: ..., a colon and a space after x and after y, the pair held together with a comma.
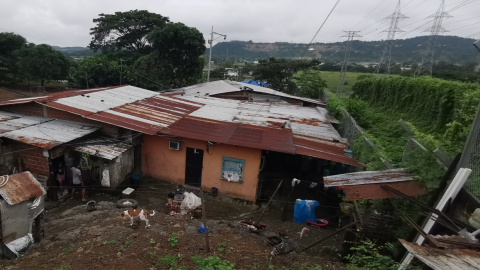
x: 257, y: 83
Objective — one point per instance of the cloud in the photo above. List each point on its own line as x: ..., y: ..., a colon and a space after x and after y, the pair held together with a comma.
x: 67, y: 23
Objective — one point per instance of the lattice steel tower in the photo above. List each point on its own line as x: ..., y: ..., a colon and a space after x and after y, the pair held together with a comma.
x: 384, y: 64
x: 426, y: 66
x: 350, y: 35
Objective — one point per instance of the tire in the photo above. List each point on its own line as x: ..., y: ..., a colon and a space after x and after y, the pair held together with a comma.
x: 120, y: 203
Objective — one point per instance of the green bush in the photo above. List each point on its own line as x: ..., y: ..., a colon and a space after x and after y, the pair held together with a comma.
x: 212, y: 263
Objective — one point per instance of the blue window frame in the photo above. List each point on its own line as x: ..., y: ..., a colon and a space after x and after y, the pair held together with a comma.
x: 232, y: 169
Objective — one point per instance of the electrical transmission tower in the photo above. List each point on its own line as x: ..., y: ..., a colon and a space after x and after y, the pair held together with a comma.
x: 350, y: 35
x: 426, y: 66
x: 396, y: 16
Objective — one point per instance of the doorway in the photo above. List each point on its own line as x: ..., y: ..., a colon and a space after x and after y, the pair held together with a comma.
x: 194, y: 166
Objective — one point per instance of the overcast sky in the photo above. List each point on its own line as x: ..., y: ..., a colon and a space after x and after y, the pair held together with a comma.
x: 67, y: 22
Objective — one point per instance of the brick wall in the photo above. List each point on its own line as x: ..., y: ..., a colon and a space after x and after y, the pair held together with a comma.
x: 32, y: 157
x: 9, y: 95
x: 36, y: 109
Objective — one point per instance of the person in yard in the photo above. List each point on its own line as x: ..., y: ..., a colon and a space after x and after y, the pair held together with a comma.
x: 78, y: 181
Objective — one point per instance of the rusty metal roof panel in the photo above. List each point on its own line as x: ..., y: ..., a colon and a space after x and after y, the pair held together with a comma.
x: 14, y: 121
x: 324, y: 150
x: 21, y: 187
x: 106, y: 148
x: 375, y: 191
x: 279, y: 140
x: 54, y: 96
x: 444, y: 259
x: 50, y: 134
x: 202, y: 129
x: 368, y: 177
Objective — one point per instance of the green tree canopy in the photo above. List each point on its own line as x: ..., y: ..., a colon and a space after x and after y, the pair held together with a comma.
x: 98, y: 71
x: 42, y: 63
x: 9, y: 43
x: 279, y: 72
x: 125, y: 31
x: 175, y: 60
x: 309, y: 83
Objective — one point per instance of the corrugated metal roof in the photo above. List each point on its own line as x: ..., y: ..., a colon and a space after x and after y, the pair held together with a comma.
x: 21, y: 187
x: 226, y: 86
x: 106, y: 148
x: 14, y: 121
x: 375, y: 191
x: 368, y: 177
x: 50, y: 134
x: 444, y: 259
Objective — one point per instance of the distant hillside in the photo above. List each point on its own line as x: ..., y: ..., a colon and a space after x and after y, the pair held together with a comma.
x: 75, y: 51
x: 449, y: 48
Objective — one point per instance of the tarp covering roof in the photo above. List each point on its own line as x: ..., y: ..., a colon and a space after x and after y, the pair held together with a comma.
x: 106, y: 148
x: 445, y: 259
x: 256, y: 83
x: 21, y: 187
x: 368, y: 177
x: 193, y: 113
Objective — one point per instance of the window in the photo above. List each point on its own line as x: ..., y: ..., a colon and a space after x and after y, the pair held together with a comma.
x: 232, y: 169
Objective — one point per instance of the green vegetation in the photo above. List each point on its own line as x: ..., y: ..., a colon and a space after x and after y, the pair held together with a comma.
x: 370, y: 256
x: 172, y: 240
x: 128, y: 241
x: 309, y: 82
x: 169, y: 260
x: 331, y: 79
x: 212, y: 263
x: 67, y: 250
x: 111, y: 242
x: 221, y: 246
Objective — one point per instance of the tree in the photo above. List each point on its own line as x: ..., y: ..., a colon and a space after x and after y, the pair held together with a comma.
x: 98, y: 70
x: 279, y: 72
x: 309, y: 83
x: 42, y: 63
x: 175, y: 60
x: 125, y: 31
x: 9, y: 43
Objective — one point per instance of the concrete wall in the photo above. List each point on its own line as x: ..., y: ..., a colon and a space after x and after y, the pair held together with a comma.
x: 162, y: 163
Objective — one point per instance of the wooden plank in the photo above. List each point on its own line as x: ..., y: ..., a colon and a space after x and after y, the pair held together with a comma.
x: 375, y: 191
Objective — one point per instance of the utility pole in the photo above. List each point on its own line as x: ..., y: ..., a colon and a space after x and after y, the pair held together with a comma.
x: 385, y: 60
x: 210, y: 58
x: 86, y: 79
x: 350, y: 35
x: 426, y: 66
x: 121, y: 70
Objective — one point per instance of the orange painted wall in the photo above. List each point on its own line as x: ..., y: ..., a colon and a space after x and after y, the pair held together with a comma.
x: 162, y: 163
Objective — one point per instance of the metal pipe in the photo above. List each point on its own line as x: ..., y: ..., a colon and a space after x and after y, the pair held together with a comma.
x: 263, y: 213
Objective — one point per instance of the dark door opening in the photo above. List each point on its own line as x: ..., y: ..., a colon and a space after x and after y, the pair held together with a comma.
x: 193, y: 170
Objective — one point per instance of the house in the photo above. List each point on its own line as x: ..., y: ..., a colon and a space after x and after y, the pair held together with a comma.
x: 22, y: 205
x: 221, y: 134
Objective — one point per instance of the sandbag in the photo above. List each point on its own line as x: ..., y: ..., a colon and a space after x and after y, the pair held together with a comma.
x: 190, y: 202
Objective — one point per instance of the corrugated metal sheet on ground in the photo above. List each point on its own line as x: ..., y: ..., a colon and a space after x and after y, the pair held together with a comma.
x: 375, y: 191
x: 14, y: 121
x: 21, y: 187
x: 444, y: 259
x: 50, y: 134
x: 106, y: 148
x: 368, y: 177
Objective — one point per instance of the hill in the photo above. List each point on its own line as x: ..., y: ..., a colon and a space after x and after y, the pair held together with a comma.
x: 449, y: 48
x: 75, y: 51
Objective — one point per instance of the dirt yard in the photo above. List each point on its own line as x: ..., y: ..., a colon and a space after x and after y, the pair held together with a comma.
x: 102, y: 239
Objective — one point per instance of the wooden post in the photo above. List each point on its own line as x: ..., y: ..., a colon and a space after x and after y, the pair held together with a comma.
x: 263, y: 213
x: 204, y: 219
x: 328, y: 236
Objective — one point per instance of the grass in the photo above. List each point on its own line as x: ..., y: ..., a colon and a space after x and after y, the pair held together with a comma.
x: 129, y: 241
x: 331, y: 78
x: 67, y: 250
x: 110, y: 242
x: 63, y: 267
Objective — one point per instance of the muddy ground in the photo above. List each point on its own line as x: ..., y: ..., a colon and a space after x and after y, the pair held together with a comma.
x: 102, y: 239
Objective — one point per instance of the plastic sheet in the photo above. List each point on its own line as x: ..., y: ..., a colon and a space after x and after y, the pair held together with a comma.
x: 304, y: 211
x: 190, y: 202
x: 21, y: 245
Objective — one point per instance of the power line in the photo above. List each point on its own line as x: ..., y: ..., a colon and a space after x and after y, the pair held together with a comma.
x: 350, y: 35
x: 321, y: 26
x: 426, y: 65
x: 392, y: 30
x: 383, y: 1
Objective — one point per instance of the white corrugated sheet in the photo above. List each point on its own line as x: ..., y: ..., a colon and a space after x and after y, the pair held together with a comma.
x: 14, y: 121
x: 106, y: 148
x: 106, y: 99
x: 50, y: 134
